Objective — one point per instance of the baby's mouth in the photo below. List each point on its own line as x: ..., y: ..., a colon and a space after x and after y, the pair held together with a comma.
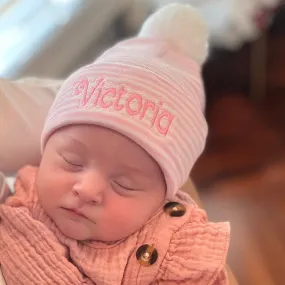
x: 75, y: 212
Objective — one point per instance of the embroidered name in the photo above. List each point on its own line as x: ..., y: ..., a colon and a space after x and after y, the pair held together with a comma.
x: 95, y: 94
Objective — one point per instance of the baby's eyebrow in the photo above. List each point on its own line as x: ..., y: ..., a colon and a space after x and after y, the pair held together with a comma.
x: 71, y: 141
x: 135, y: 170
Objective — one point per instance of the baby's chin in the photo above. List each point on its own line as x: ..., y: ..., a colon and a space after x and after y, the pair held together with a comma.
x: 77, y: 232
x: 82, y: 232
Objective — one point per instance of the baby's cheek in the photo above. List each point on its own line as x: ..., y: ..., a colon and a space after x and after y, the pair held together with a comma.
x: 63, y: 182
x: 128, y: 218
x: 50, y: 187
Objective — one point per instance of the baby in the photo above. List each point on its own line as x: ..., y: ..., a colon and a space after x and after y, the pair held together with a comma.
x: 120, y: 140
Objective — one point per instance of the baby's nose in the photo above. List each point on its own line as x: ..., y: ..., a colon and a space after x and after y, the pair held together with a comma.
x: 90, y: 187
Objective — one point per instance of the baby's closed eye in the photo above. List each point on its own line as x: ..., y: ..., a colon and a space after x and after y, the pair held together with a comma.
x: 71, y: 160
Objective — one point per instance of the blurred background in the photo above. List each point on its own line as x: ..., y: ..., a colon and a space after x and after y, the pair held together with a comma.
x: 241, y: 174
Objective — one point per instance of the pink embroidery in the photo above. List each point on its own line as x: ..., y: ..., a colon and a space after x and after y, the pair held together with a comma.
x: 156, y: 113
x: 122, y: 91
x: 94, y: 95
x: 100, y: 87
x: 134, y: 97
x: 82, y: 87
x: 147, y: 104
x: 110, y: 91
x: 164, y: 129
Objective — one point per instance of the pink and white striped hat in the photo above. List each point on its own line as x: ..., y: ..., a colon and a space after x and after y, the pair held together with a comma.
x: 148, y: 88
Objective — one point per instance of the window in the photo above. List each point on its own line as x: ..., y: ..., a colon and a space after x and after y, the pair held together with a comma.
x: 25, y: 25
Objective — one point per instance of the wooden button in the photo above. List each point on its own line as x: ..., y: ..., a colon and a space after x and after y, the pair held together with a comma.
x: 146, y: 255
x: 175, y: 209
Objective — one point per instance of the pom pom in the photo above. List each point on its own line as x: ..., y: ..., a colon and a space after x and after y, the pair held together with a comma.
x: 182, y: 26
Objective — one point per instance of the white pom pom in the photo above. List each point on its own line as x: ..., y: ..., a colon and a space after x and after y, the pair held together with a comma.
x: 182, y: 26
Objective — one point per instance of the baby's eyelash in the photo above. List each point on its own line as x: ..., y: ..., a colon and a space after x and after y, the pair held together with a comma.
x: 71, y: 163
x: 122, y: 186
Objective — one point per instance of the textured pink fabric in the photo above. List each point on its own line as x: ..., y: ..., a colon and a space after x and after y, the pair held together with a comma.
x: 32, y: 251
x: 146, y: 90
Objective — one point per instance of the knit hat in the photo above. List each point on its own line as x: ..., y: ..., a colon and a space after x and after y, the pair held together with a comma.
x: 148, y: 88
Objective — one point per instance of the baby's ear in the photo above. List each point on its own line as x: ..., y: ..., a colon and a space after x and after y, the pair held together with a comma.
x: 4, y: 189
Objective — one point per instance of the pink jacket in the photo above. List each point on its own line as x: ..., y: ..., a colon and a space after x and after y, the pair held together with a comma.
x: 177, y: 246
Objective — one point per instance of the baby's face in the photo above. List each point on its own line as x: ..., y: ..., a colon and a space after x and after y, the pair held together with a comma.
x: 97, y: 184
